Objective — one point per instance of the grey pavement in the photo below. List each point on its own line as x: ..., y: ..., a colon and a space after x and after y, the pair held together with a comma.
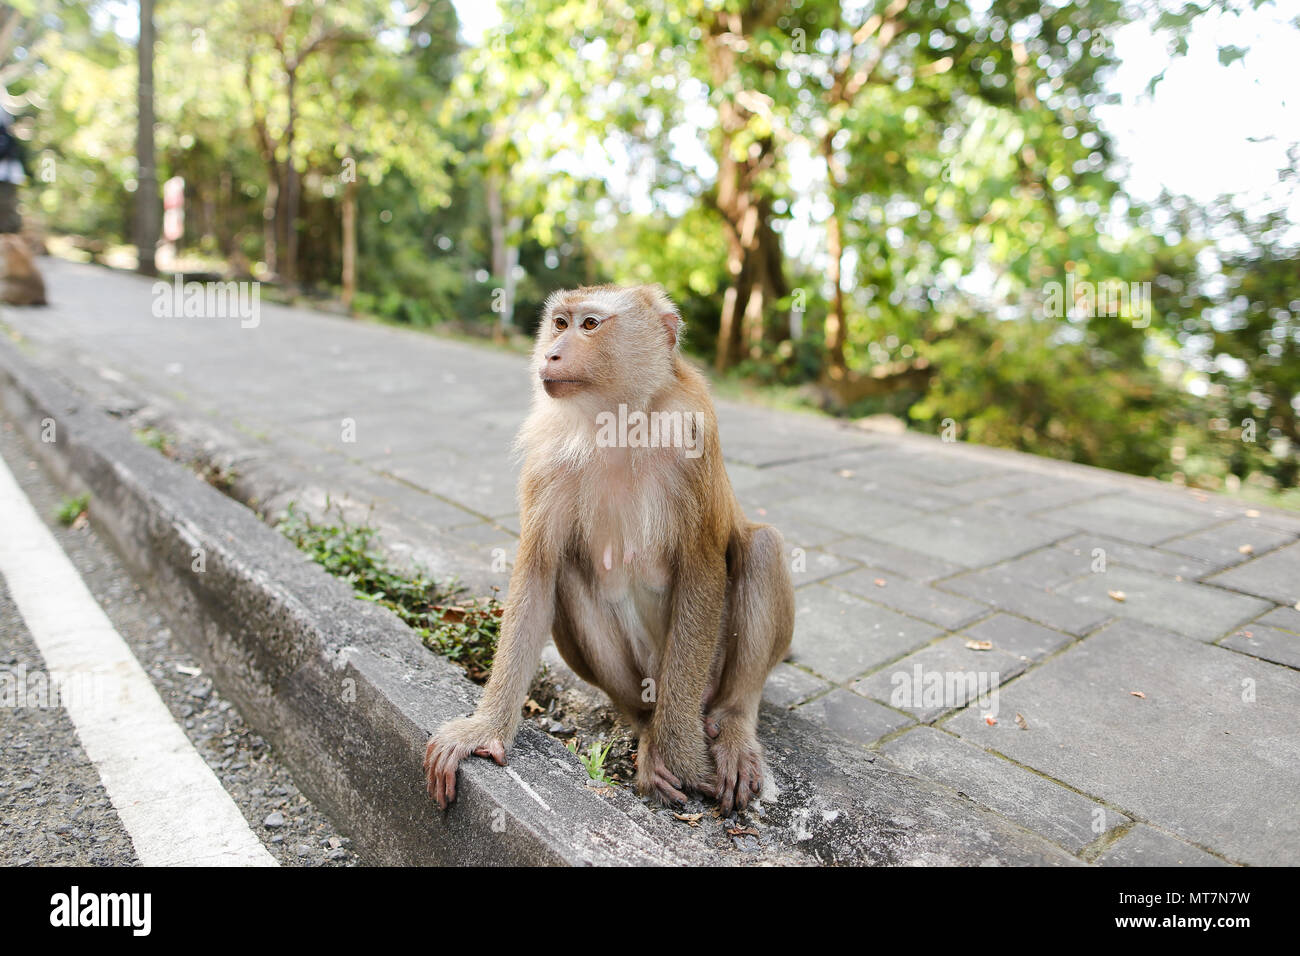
x: 1108, y: 662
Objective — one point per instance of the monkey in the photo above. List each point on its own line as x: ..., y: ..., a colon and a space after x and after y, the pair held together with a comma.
x: 20, y: 282
x: 635, y: 557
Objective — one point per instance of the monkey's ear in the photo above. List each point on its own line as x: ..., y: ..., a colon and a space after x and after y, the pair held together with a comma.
x: 673, y: 323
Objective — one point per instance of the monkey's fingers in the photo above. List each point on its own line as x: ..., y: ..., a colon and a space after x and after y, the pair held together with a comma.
x: 667, y: 787
x: 496, y: 750
x: 711, y: 728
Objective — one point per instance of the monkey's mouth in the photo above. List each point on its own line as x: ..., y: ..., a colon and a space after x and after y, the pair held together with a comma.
x: 560, y: 387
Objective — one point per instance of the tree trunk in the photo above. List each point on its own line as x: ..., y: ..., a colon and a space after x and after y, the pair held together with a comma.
x: 836, y: 320
x: 271, y: 220
x: 505, y: 256
x: 755, y: 264
x: 147, y: 199
x: 349, y: 243
x: 292, y: 202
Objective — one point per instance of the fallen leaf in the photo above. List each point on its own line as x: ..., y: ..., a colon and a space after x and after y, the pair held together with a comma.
x: 980, y: 645
x: 1138, y: 693
x: 1118, y: 596
x: 451, y: 613
x: 533, y: 707
x: 1021, y: 722
x: 845, y: 473
x: 1246, y: 549
x: 692, y: 818
x: 741, y: 831
x: 990, y: 719
x: 880, y: 582
x: 1252, y: 513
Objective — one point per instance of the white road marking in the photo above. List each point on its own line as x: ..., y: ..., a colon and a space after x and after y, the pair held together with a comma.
x: 169, y: 800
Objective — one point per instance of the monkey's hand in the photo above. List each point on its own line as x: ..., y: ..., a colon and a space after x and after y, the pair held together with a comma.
x: 450, y: 744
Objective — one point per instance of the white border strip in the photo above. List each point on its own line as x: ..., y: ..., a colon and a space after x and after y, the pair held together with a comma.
x: 169, y: 800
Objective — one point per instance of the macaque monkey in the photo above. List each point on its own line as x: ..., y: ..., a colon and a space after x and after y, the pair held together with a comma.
x: 635, y: 557
x: 20, y: 282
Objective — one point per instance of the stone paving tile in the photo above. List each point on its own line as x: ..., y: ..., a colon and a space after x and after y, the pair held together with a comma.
x: 840, y: 636
x: 1197, y: 610
x: 950, y: 469
x: 483, y: 484
x: 817, y: 565
x: 852, y: 514
x: 950, y: 676
x: 995, y: 487
x: 994, y: 586
x: 1032, y: 498
x: 1275, y: 575
x: 1146, y: 846
x: 1024, y: 639
x: 1192, y: 757
x: 919, y: 600
x: 1036, y: 803
x: 1287, y: 521
x: 890, y: 557
x: 797, y: 531
x: 1047, y: 567
x: 1221, y: 546
x: 1285, y: 618
x: 788, y: 687
x: 852, y: 717
x: 914, y: 494
x: 1093, y: 547
x: 1258, y: 640
x: 1129, y: 518
x: 971, y: 540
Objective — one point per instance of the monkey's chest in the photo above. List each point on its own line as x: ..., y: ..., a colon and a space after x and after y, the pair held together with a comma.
x: 634, y: 592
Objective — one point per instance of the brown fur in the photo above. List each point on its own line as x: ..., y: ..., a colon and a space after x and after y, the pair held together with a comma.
x: 20, y: 282
x: 637, y: 560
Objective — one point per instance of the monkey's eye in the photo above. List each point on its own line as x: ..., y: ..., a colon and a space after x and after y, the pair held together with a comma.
x: 591, y: 323
x: 561, y: 322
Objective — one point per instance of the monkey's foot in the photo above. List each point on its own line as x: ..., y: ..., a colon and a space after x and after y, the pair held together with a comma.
x: 740, y: 772
x: 450, y: 744
x: 655, y: 780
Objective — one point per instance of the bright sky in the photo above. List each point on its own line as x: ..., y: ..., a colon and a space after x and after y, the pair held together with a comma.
x: 1209, y: 129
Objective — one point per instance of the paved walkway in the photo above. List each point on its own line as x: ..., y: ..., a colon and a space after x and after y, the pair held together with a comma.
x: 1137, y: 646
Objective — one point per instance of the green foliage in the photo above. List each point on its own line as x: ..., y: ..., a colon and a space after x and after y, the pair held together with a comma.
x: 70, y: 509
x: 593, y: 761
x: 465, y: 633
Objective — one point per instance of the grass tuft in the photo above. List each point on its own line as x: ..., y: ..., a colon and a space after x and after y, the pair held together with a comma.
x: 464, y: 632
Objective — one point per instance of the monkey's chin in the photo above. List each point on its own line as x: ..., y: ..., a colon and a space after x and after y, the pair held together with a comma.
x: 562, y: 388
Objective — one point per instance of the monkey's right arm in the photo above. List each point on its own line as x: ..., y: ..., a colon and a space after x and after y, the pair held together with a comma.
x: 525, y: 627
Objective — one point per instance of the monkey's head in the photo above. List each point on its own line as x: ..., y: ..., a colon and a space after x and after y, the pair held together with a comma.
x: 612, y: 343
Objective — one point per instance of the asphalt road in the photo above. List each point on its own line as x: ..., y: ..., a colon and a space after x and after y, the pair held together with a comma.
x: 54, y: 808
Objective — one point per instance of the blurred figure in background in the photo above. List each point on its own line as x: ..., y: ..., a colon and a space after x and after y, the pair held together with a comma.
x: 20, y: 282
x: 13, y: 173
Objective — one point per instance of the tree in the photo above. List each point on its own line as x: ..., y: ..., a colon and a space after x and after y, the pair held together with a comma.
x: 146, y: 194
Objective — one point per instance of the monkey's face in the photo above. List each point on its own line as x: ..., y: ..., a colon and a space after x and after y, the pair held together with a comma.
x: 610, y: 344
x: 573, y: 346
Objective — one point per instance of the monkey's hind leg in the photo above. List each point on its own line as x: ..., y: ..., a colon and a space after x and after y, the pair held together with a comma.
x: 760, y: 625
